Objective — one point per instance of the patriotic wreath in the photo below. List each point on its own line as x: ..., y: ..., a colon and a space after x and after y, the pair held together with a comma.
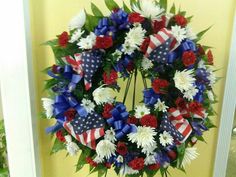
x: 177, y: 74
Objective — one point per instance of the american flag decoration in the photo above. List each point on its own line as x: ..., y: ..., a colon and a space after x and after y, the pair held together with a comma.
x: 86, y: 129
x: 161, y: 43
x: 76, y: 63
x: 176, y: 125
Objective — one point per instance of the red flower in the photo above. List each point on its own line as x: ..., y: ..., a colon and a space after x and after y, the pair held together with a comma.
x: 122, y: 148
x: 63, y: 39
x: 145, y: 45
x: 90, y: 161
x: 137, y: 163
x: 195, y: 107
x: 108, y: 165
x: 70, y: 114
x: 200, y: 50
x: 188, y: 58
x: 135, y: 18
x: 154, y: 166
x: 181, y: 103
x: 107, y: 110
x: 149, y: 121
x: 180, y: 20
x: 159, y: 85
x: 110, y: 78
x: 104, y: 42
x: 60, y: 136
x: 132, y: 120
x: 210, y: 57
x: 158, y: 25
x: 172, y: 154
x: 130, y: 66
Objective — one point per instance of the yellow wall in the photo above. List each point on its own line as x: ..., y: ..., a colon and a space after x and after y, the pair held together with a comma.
x: 50, y: 17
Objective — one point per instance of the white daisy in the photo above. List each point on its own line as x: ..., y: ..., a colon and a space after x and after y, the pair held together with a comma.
x: 87, y: 42
x: 166, y: 139
x: 105, y: 149
x: 103, y: 95
x: 160, y: 106
x: 179, y: 33
x: 190, y: 93
x: 201, y: 64
x: 211, y: 77
x: 88, y: 105
x: 71, y: 147
x: 141, y: 111
x: 184, y: 80
x: 148, y: 150
x: 48, y: 106
x: 120, y: 159
x: 128, y: 48
x: 190, y: 34
x: 98, y: 159
x: 190, y: 154
x: 146, y: 64
x: 110, y: 135
x: 78, y: 21
x: 126, y: 170
x: 149, y: 9
x: 150, y: 160
x: 76, y: 35
x: 117, y: 54
x: 210, y: 95
x: 143, y: 137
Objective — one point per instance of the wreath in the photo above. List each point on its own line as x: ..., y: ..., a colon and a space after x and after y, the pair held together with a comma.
x: 146, y: 41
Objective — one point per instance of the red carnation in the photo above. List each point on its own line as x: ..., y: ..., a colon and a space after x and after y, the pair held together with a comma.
x: 145, y: 45
x: 159, y: 85
x: 110, y: 78
x: 172, y: 154
x: 60, y: 136
x: 200, y: 50
x: 135, y: 18
x: 210, y: 57
x: 122, y: 148
x: 181, y: 103
x: 103, y: 42
x: 158, y: 25
x: 137, y: 163
x: 154, y: 166
x: 63, y: 39
x: 188, y: 58
x: 195, y: 107
x: 180, y: 20
x: 70, y: 114
x: 132, y: 120
x: 108, y: 165
x: 90, y: 161
x: 149, y: 121
x: 107, y: 110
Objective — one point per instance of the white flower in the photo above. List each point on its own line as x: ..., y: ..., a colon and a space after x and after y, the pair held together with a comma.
x: 117, y: 54
x: 105, y: 149
x: 210, y: 95
x: 103, y: 95
x: 133, y: 39
x: 201, y: 64
x: 76, y: 35
x: 190, y: 154
x: 160, y: 106
x: 211, y: 77
x: 126, y: 170
x: 141, y: 111
x: 146, y: 64
x: 166, y: 139
x: 71, y: 147
x: 48, y: 106
x: 143, y: 137
x: 184, y: 80
x: 120, y: 159
x: 88, y: 105
x: 87, y: 42
x: 149, y: 9
x: 149, y: 149
x: 190, y: 93
x: 149, y: 160
x: 78, y: 21
x: 110, y: 135
x: 98, y: 159
x: 179, y: 33
x: 190, y: 34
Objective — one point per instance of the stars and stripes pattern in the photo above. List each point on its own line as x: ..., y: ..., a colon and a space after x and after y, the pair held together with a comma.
x: 76, y: 63
x: 86, y: 129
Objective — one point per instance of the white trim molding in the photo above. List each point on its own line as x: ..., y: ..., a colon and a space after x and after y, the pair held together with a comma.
x: 18, y: 98
x: 228, y: 110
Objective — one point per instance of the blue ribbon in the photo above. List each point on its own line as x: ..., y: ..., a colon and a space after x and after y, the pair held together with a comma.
x: 118, y: 121
x: 120, y: 19
x: 199, y: 96
x: 104, y: 28
x: 150, y: 97
x: 161, y: 158
x: 198, y: 128
x: 122, y: 65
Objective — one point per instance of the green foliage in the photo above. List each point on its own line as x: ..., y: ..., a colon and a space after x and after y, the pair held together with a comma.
x: 57, y: 146
x: 91, y: 22
x: 96, y: 10
x: 111, y: 4
x: 3, y: 152
x: 126, y: 8
x: 181, y: 152
x: 163, y: 4
x: 173, y: 9
x: 200, y: 34
x: 82, y: 159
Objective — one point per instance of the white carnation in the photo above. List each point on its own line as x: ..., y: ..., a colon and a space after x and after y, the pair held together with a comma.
x: 76, y: 35
x: 78, y: 21
x: 105, y: 149
x: 48, y: 106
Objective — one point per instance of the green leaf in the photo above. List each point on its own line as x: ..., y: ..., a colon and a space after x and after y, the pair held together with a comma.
x: 52, y: 42
x: 132, y: 2
x: 200, y: 34
x: 50, y: 83
x: 163, y: 4
x: 111, y: 4
x: 96, y: 10
x: 57, y: 146
x: 173, y: 9
x: 208, y: 123
x: 91, y: 22
x: 125, y: 7
x: 82, y: 159
x: 181, y: 152
x: 189, y: 18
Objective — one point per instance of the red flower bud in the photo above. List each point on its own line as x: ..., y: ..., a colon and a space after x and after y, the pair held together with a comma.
x: 159, y: 85
x: 60, y: 136
x: 180, y: 20
x: 121, y: 148
x: 103, y: 42
x: 154, y: 166
x: 210, y: 57
x: 172, y: 154
x: 63, y: 39
x: 135, y: 18
x: 145, y: 45
x: 107, y: 110
x: 110, y: 78
x: 70, y: 114
x: 137, y: 163
x: 158, y: 25
x: 149, y: 121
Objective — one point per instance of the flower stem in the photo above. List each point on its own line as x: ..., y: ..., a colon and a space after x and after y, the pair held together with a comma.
x: 144, y: 81
x: 134, y: 92
x: 127, y: 88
